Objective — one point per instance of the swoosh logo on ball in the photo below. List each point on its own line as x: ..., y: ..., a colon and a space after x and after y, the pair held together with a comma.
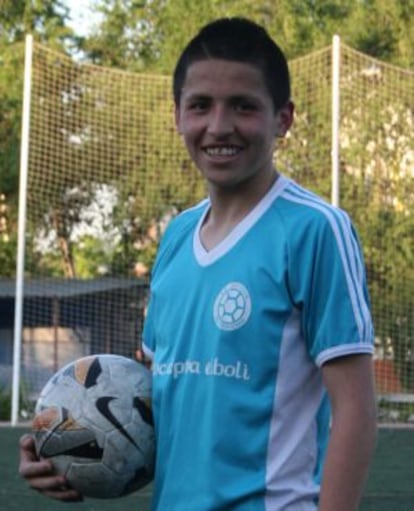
x: 102, y: 404
x: 144, y: 410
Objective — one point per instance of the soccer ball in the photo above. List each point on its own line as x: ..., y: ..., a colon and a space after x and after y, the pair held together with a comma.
x: 94, y: 420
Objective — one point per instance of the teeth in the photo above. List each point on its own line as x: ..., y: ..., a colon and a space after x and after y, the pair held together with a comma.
x: 222, y: 151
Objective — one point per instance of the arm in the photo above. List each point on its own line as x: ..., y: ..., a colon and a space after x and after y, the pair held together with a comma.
x: 350, y: 384
x: 40, y: 475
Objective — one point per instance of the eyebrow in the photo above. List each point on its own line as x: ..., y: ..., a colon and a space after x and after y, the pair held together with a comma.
x: 242, y: 97
x: 237, y: 98
x: 192, y: 97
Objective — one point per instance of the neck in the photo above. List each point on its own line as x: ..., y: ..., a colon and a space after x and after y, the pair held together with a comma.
x: 236, y: 202
x: 228, y: 208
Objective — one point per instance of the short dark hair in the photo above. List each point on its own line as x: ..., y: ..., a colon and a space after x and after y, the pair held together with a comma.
x: 240, y: 40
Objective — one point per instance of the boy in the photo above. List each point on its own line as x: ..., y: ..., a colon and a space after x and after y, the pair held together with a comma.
x: 259, y: 310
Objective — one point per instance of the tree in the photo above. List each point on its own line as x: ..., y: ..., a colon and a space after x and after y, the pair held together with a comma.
x: 151, y: 33
x: 377, y: 188
x: 124, y: 37
x: 148, y: 35
x: 45, y: 19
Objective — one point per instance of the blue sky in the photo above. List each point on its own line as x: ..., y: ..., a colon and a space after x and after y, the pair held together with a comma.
x: 82, y: 16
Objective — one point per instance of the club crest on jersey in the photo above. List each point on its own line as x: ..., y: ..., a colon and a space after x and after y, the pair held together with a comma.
x: 232, y: 307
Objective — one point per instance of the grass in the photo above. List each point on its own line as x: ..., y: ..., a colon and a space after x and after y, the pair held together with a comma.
x: 390, y: 486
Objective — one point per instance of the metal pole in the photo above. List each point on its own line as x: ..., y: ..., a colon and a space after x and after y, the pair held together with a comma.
x: 55, y: 324
x: 24, y: 160
x: 335, y: 158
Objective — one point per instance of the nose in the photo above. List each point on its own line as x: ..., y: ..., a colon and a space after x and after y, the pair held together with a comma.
x: 220, y: 121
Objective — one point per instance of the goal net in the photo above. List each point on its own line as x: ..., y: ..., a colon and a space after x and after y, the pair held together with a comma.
x: 107, y: 171
x: 376, y: 163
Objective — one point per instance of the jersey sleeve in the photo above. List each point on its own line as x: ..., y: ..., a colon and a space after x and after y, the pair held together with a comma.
x: 170, y: 240
x: 330, y: 288
x: 148, y: 335
x: 162, y: 258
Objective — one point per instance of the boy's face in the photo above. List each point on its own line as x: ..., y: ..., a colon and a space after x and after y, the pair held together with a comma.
x: 227, y: 119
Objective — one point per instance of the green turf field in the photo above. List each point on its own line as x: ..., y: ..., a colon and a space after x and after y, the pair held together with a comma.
x: 390, y: 486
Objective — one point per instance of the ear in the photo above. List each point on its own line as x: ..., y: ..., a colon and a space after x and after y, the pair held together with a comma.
x: 284, y: 119
x: 177, y: 118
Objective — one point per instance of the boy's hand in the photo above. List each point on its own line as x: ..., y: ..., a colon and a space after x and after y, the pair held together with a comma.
x: 41, y: 476
x: 140, y: 356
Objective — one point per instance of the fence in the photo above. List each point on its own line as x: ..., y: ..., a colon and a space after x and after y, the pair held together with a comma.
x: 103, y: 171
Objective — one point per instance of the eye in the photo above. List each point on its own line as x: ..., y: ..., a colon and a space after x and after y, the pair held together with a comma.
x: 244, y: 106
x: 198, y: 105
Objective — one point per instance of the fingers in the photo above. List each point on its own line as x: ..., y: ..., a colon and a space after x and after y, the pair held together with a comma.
x: 55, y: 487
x: 27, y: 443
x: 64, y: 496
x: 30, y: 465
x: 140, y: 356
x: 40, y: 474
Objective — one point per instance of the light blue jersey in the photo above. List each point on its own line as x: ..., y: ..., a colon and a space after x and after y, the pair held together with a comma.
x: 237, y: 336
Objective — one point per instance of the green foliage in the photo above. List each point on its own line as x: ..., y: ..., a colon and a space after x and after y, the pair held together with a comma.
x: 377, y: 187
x: 8, y: 249
x: 395, y: 411
x: 150, y: 34
x: 26, y: 406
x: 45, y: 19
x: 5, y: 405
x: 11, y: 84
x: 124, y: 36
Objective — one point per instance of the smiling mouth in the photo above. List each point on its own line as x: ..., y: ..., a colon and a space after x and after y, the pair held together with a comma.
x: 222, y: 150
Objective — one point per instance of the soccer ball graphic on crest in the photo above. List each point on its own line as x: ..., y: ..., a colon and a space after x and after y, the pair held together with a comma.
x: 93, y: 419
x: 232, y: 307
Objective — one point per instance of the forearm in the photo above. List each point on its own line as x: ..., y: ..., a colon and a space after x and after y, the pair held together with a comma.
x: 350, y: 384
x: 348, y: 458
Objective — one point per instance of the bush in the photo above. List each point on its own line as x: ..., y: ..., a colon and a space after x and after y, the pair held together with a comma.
x: 26, y: 406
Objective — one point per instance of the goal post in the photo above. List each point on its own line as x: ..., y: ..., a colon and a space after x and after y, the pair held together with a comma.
x: 103, y: 171
x: 21, y: 245
x: 336, y: 77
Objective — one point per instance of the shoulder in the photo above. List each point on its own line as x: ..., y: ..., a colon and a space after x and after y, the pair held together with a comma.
x: 307, y: 214
x: 308, y: 205
x: 184, y: 221
x: 179, y: 228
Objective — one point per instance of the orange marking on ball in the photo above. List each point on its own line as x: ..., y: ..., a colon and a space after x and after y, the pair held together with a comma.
x: 45, y: 419
x: 82, y: 367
